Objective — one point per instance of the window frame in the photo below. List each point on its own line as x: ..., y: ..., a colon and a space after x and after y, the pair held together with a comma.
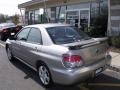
x: 41, y: 42
x: 16, y: 36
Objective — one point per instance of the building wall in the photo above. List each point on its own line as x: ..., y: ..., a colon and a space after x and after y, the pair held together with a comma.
x: 52, y: 8
x: 54, y: 3
x: 115, y: 17
x: 56, y: 10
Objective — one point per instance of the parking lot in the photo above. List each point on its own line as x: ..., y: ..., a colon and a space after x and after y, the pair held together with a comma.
x: 17, y: 76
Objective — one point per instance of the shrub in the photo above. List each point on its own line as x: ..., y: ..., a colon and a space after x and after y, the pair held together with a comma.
x: 98, y: 27
x: 115, y: 41
x: 110, y: 41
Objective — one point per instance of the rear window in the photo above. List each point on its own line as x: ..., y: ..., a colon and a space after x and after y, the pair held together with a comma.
x: 66, y: 34
x: 11, y: 28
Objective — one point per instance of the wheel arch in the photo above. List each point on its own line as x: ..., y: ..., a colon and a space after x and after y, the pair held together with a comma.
x: 39, y: 62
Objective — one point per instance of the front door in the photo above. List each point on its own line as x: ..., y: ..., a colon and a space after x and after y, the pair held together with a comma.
x: 17, y: 47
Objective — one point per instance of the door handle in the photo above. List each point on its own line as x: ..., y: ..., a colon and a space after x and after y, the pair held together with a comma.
x: 18, y: 43
x: 36, y: 49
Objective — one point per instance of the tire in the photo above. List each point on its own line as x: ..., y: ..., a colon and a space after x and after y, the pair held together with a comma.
x: 9, y: 54
x: 1, y: 38
x: 44, y: 75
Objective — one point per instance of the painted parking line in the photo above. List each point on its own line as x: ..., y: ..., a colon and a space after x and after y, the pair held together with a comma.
x: 82, y: 86
x: 104, y: 84
x: 2, y: 45
x: 114, y: 68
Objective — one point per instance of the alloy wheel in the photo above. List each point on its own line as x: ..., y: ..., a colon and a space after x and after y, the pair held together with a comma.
x: 44, y: 75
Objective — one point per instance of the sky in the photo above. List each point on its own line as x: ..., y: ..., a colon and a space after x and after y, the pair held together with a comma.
x: 10, y: 7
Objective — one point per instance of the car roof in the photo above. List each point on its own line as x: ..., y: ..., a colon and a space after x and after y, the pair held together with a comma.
x: 5, y: 25
x: 48, y: 25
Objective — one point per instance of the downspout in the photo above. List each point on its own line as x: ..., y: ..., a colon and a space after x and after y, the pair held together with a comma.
x: 22, y: 16
x: 109, y: 19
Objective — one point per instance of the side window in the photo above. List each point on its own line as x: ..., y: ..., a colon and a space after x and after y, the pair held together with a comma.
x: 23, y: 34
x: 34, y: 36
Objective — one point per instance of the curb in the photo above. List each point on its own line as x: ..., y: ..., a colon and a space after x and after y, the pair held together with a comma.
x: 114, y: 68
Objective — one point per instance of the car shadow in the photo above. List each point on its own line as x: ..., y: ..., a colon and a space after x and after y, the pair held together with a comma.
x: 99, y: 79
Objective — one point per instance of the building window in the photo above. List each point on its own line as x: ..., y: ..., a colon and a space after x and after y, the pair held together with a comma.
x: 60, y: 13
x: 31, y: 17
x: 36, y: 17
x: 53, y: 14
x: 26, y: 17
x: 78, y: 6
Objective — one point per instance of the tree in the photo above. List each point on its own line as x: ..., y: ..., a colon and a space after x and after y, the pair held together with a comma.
x: 15, y: 19
x: 2, y: 18
x: 99, y: 19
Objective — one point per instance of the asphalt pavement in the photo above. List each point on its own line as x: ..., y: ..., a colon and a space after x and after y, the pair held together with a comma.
x: 17, y: 76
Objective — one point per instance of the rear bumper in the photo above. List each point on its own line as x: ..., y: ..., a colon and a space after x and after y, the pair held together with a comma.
x: 69, y: 77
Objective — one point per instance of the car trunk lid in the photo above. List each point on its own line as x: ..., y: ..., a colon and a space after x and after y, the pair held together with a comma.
x: 91, y: 51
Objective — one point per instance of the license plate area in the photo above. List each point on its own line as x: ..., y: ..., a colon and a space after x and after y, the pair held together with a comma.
x: 98, y: 71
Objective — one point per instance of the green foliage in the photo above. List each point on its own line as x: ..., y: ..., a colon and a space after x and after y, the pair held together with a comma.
x: 2, y: 18
x: 110, y: 41
x: 15, y: 19
x: 99, y: 27
x: 115, y: 41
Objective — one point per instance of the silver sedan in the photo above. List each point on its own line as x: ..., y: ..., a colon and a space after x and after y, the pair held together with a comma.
x: 59, y: 53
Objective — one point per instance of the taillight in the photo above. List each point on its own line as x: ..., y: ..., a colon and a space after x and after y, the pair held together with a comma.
x: 5, y: 30
x: 72, y: 61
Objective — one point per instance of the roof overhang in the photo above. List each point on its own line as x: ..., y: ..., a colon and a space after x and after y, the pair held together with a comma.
x: 50, y: 2
x: 29, y: 3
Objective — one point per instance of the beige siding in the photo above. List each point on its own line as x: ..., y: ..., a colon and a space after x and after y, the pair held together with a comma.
x: 115, y: 12
x: 115, y: 17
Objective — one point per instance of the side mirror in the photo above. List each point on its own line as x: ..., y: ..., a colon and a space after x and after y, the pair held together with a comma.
x: 12, y: 36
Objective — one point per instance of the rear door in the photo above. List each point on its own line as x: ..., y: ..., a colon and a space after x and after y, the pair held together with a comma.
x: 32, y: 47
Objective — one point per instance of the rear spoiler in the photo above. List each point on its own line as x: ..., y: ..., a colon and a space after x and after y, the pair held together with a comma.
x: 80, y: 46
